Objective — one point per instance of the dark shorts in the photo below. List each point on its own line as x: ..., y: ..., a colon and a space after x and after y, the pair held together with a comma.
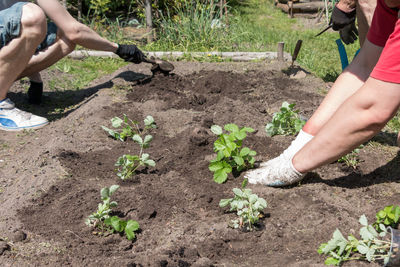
x: 10, y: 27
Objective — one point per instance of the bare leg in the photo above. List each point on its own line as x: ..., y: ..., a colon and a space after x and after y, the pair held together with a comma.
x: 15, y: 56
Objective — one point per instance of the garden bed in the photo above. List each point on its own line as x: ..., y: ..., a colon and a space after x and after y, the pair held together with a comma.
x: 51, y: 178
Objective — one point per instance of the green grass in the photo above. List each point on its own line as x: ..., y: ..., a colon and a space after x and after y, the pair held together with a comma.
x: 81, y: 72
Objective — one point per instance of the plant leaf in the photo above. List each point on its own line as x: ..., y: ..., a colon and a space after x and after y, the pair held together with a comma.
x: 216, y: 129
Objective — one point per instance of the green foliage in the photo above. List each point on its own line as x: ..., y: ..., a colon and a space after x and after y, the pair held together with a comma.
x: 352, y: 159
x: 128, y: 164
x: 285, y: 122
x: 118, y: 225
x: 97, y: 218
x: 102, y: 221
x: 248, y: 207
x: 371, y: 247
x: 230, y: 153
x: 389, y: 216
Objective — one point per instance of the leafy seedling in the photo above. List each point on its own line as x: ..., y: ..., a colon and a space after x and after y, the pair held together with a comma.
x: 351, y: 159
x: 371, y: 247
x: 230, y: 153
x: 128, y: 164
x: 285, y: 122
x: 102, y: 220
x: 389, y: 216
x: 97, y: 218
x: 248, y: 207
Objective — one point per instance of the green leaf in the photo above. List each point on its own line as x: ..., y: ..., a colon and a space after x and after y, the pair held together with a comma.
x: 332, y: 261
x: 220, y: 176
x: 216, y: 129
x: 145, y: 157
x: 116, y: 122
x: 237, y: 192
x: 245, y: 182
x: 363, y: 220
x: 105, y: 193
x: 240, y: 135
x: 231, y: 127
x: 244, y: 151
x: 149, y: 120
x: 116, y: 223
x: 150, y: 163
x: 113, y: 188
x: 147, y: 139
x: 239, y: 160
x: 215, y: 165
x: 225, y: 202
x: 137, y: 139
x: 130, y: 229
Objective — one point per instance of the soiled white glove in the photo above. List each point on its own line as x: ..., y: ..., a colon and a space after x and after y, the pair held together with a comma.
x: 275, y: 172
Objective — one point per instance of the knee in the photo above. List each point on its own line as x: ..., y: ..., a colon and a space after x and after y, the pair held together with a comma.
x: 67, y: 45
x: 33, y: 22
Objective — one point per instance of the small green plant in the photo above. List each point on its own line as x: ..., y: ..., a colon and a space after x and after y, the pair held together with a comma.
x: 97, y: 218
x: 248, y: 207
x: 102, y: 220
x: 351, y: 159
x: 371, y: 247
x: 129, y: 128
x: 285, y: 122
x: 128, y: 164
x: 388, y: 216
x: 230, y: 153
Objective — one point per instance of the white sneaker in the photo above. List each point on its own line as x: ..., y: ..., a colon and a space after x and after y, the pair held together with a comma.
x: 13, y: 119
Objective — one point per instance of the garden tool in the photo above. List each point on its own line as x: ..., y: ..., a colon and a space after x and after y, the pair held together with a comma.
x: 324, y: 30
x: 159, y: 64
x: 296, y: 51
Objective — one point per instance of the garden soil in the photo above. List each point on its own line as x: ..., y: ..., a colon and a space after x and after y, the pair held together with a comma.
x: 50, y: 179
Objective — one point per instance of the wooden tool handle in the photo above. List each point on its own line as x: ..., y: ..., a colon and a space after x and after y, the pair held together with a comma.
x: 296, y: 50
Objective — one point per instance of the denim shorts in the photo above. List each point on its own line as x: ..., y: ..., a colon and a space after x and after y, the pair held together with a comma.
x: 10, y: 27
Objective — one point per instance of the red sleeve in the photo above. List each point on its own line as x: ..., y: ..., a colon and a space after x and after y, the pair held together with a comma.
x: 382, y: 24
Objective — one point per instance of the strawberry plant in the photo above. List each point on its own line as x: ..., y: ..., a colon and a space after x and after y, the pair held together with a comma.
x: 230, y: 153
x: 128, y: 164
x: 285, y: 122
x: 248, y: 207
x: 102, y: 220
x: 388, y: 216
x: 371, y: 247
x: 128, y: 128
x: 352, y: 158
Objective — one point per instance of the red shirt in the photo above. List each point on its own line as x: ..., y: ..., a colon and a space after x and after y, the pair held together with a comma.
x: 385, y: 31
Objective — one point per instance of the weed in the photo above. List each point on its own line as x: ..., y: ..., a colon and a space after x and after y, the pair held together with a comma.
x: 230, y: 153
x: 248, y: 207
x: 285, y: 122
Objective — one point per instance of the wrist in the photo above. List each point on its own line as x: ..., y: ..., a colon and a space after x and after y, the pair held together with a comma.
x: 344, y: 7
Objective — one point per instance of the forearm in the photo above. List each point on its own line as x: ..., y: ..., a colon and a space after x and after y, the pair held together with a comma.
x: 73, y: 30
x: 357, y: 120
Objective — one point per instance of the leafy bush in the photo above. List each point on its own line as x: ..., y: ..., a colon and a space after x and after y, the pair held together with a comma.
x: 230, y: 153
x: 285, y: 122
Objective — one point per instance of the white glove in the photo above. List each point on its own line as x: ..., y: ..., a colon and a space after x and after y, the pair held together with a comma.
x: 275, y: 172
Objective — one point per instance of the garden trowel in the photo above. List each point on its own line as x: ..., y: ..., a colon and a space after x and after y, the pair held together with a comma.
x: 159, y: 65
x: 296, y: 51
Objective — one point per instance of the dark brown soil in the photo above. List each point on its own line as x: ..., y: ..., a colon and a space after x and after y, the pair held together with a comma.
x: 51, y: 178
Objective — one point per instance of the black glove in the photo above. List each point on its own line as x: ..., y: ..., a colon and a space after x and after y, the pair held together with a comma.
x: 349, y: 33
x: 339, y: 18
x: 130, y: 53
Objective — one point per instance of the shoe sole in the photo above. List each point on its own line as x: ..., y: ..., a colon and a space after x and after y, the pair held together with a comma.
x: 8, y: 129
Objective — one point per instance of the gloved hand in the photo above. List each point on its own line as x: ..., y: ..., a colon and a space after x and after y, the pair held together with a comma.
x: 275, y: 173
x: 130, y: 53
x: 349, y: 33
x: 340, y: 19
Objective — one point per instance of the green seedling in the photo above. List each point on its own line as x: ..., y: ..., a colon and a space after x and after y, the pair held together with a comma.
x: 97, y: 218
x: 230, y: 153
x: 117, y: 225
x: 389, y: 216
x: 285, y: 122
x: 371, y: 247
x: 248, y: 207
x: 128, y: 128
x: 128, y: 164
x: 351, y: 159
x: 102, y: 220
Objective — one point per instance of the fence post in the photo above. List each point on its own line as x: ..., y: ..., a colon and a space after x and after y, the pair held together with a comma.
x: 281, y: 46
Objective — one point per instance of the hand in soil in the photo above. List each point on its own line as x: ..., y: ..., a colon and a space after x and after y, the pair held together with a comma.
x: 275, y: 172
